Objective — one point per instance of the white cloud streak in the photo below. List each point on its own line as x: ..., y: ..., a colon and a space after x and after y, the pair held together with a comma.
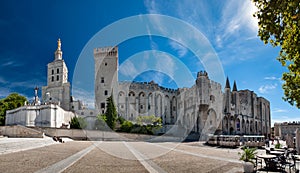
x: 272, y: 78
x: 181, y: 50
x: 229, y: 25
x: 279, y: 110
x: 238, y: 15
x: 86, y: 97
x: 264, y: 89
x: 128, y: 69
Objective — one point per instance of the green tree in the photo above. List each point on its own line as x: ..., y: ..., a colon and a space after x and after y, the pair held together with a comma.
x: 111, y: 113
x: 12, y: 101
x: 78, y: 123
x: 279, y: 25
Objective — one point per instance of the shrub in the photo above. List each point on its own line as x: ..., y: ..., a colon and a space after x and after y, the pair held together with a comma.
x: 126, y: 126
x: 248, y: 154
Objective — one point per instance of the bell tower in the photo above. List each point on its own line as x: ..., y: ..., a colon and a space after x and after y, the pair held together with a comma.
x: 58, y: 87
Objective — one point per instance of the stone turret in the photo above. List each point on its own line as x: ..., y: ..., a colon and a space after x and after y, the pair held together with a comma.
x: 203, y: 85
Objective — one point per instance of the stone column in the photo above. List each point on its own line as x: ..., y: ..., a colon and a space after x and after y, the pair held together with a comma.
x: 298, y: 140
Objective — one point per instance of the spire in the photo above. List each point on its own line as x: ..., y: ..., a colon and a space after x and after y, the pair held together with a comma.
x: 227, y: 83
x: 58, y: 52
x: 234, y: 87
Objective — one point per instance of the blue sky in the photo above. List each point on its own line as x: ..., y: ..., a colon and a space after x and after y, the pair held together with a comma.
x: 29, y: 31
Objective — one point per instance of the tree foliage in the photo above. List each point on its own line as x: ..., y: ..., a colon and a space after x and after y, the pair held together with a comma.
x: 279, y: 25
x: 152, y: 119
x: 12, y: 101
x: 100, y: 123
x: 78, y: 123
x: 126, y: 126
x: 111, y: 113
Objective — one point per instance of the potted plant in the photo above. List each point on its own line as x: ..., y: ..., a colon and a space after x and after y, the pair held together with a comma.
x: 278, y: 146
x: 248, y: 157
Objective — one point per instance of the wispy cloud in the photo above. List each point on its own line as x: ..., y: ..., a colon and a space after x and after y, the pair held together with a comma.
x: 85, y: 96
x: 128, y: 69
x: 272, y: 78
x: 264, y: 89
x: 4, y: 92
x: 162, y: 60
x: 279, y: 110
x: 238, y: 16
x: 281, y: 119
x: 229, y: 25
x: 181, y: 50
x: 8, y: 59
x: 2, y: 80
x: 11, y: 63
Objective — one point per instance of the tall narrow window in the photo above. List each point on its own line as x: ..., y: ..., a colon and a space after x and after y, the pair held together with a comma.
x: 57, y: 78
x: 57, y: 70
x: 52, y: 78
x: 102, y: 79
x: 106, y: 92
x: 52, y: 71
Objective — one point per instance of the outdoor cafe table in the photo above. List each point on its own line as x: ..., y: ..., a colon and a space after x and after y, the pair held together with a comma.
x: 297, y: 158
x: 277, y: 153
x: 267, y: 158
x: 279, y: 149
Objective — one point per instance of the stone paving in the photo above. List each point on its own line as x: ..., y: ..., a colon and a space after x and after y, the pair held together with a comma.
x: 10, y: 145
x: 45, y: 155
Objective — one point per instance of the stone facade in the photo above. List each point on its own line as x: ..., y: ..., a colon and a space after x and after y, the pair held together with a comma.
x: 285, y: 128
x: 106, y: 75
x: 204, y: 108
x: 50, y: 115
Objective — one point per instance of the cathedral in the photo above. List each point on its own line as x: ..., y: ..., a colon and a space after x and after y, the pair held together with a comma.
x: 204, y: 108
x: 54, y: 110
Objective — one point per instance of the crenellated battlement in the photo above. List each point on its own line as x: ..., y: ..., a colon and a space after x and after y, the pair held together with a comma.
x: 147, y: 85
x: 106, y: 51
x: 202, y: 73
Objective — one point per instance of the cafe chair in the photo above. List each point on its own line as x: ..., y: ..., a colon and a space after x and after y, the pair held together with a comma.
x: 285, y: 163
